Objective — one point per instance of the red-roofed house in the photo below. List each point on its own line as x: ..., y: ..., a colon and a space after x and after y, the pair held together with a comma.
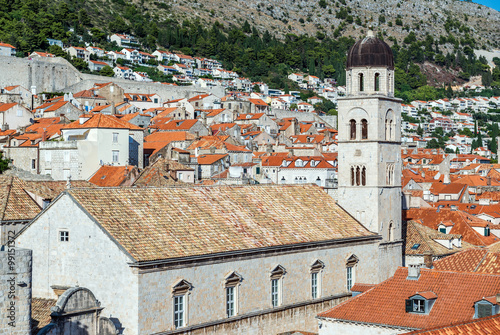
x: 260, y: 120
x: 414, y: 299
x: 18, y: 94
x: 195, y: 127
x: 7, y: 49
x: 14, y: 116
x: 90, y: 142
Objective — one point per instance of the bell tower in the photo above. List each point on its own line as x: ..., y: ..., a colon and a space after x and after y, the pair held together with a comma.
x: 369, y: 140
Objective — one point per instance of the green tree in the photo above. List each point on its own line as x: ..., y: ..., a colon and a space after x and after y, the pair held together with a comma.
x: 4, y: 163
x: 107, y: 71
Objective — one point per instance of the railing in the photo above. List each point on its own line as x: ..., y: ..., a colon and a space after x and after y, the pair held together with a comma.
x: 331, y: 183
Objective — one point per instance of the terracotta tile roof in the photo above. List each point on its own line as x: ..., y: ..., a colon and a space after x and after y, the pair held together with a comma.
x: 206, y: 142
x: 255, y: 116
x: 169, y: 136
x: 6, y: 45
x: 214, y: 112
x: 102, y: 121
x: 198, y: 97
x: 40, y: 313
x: 6, y: 106
x: 111, y: 176
x: 258, y: 102
x: 420, y: 239
x: 385, y: 304
x: 49, y: 190
x: 162, y: 223
x: 10, y: 88
x: 493, y: 196
x: 161, y: 173
x: 88, y: 94
x: 210, y: 159
x: 359, y: 287
x: 179, y: 124
x: 473, y: 260
x: 15, y: 203
x: 463, y: 223
x: 482, y: 326
x: 222, y: 126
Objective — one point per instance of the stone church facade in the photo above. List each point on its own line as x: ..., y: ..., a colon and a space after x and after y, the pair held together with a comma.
x: 203, y: 260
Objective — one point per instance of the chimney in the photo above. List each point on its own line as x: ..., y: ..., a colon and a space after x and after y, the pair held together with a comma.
x: 498, y: 298
x: 413, y: 272
x: 488, y: 181
x: 428, y: 260
x: 44, y: 134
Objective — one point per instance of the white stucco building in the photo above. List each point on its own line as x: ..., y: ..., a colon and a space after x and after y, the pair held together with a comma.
x: 90, y: 142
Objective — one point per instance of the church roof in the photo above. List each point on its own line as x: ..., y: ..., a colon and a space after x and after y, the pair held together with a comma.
x: 172, y: 222
x: 370, y: 51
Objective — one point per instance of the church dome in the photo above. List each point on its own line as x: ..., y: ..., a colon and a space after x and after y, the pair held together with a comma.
x: 370, y: 51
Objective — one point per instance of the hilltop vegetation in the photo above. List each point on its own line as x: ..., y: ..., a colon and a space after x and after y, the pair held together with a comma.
x: 243, y: 48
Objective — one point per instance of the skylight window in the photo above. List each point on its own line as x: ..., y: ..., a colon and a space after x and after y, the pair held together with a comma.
x: 415, y: 246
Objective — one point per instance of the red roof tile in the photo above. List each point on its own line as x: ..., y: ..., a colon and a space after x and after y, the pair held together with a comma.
x: 385, y: 304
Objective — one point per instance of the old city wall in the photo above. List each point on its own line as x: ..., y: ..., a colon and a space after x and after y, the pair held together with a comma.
x: 58, y: 75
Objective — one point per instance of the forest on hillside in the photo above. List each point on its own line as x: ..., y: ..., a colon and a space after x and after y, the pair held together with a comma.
x: 27, y: 24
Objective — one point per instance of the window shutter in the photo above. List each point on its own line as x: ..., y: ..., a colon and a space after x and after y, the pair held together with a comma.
x: 483, y: 310
x: 409, y: 305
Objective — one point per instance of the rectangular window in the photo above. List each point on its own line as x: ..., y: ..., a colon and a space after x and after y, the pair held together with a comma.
x: 314, y: 285
x: 115, y: 156
x: 115, y: 137
x: 19, y: 112
x: 64, y: 236
x: 230, y: 310
x: 275, y: 292
x: 418, y: 306
x: 349, y: 278
x: 33, y: 164
x: 179, y: 311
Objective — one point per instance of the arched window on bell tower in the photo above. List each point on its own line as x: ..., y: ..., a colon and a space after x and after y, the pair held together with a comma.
x: 358, y: 176
x: 352, y: 176
x: 361, y: 82
x: 377, y: 82
x: 390, y: 125
x: 363, y: 176
x: 352, y: 125
x: 364, y: 129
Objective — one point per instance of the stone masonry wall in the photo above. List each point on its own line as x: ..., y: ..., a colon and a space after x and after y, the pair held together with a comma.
x: 206, y: 300
x: 15, y: 290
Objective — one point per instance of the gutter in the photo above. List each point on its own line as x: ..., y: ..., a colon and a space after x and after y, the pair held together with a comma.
x: 250, y: 252
x: 381, y: 325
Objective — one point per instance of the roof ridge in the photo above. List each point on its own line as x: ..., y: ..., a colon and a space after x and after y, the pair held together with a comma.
x: 479, y: 264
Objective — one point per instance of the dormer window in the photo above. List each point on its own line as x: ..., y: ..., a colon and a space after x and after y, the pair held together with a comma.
x: 486, y: 307
x: 421, y: 302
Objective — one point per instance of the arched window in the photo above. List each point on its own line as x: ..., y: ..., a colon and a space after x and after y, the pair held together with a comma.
x: 377, y: 82
x: 390, y: 235
x: 350, y: 265
x: 358, y: 173
x: 390, y: 124
x: 352, y: 125
x: 352, y: 176
x: 364, y: 129
x: 363, y: 176
x: 361, y: 83
x: 318, y: 181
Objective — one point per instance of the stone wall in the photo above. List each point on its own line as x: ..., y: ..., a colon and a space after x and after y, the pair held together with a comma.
x: 89, y: 259
x: 15, y: 290
x: 206, y: 299
x: 302, y: 317
x: 57, y: 74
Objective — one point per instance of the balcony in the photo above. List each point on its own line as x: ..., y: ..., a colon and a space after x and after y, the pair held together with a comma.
x: 331, y: 183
